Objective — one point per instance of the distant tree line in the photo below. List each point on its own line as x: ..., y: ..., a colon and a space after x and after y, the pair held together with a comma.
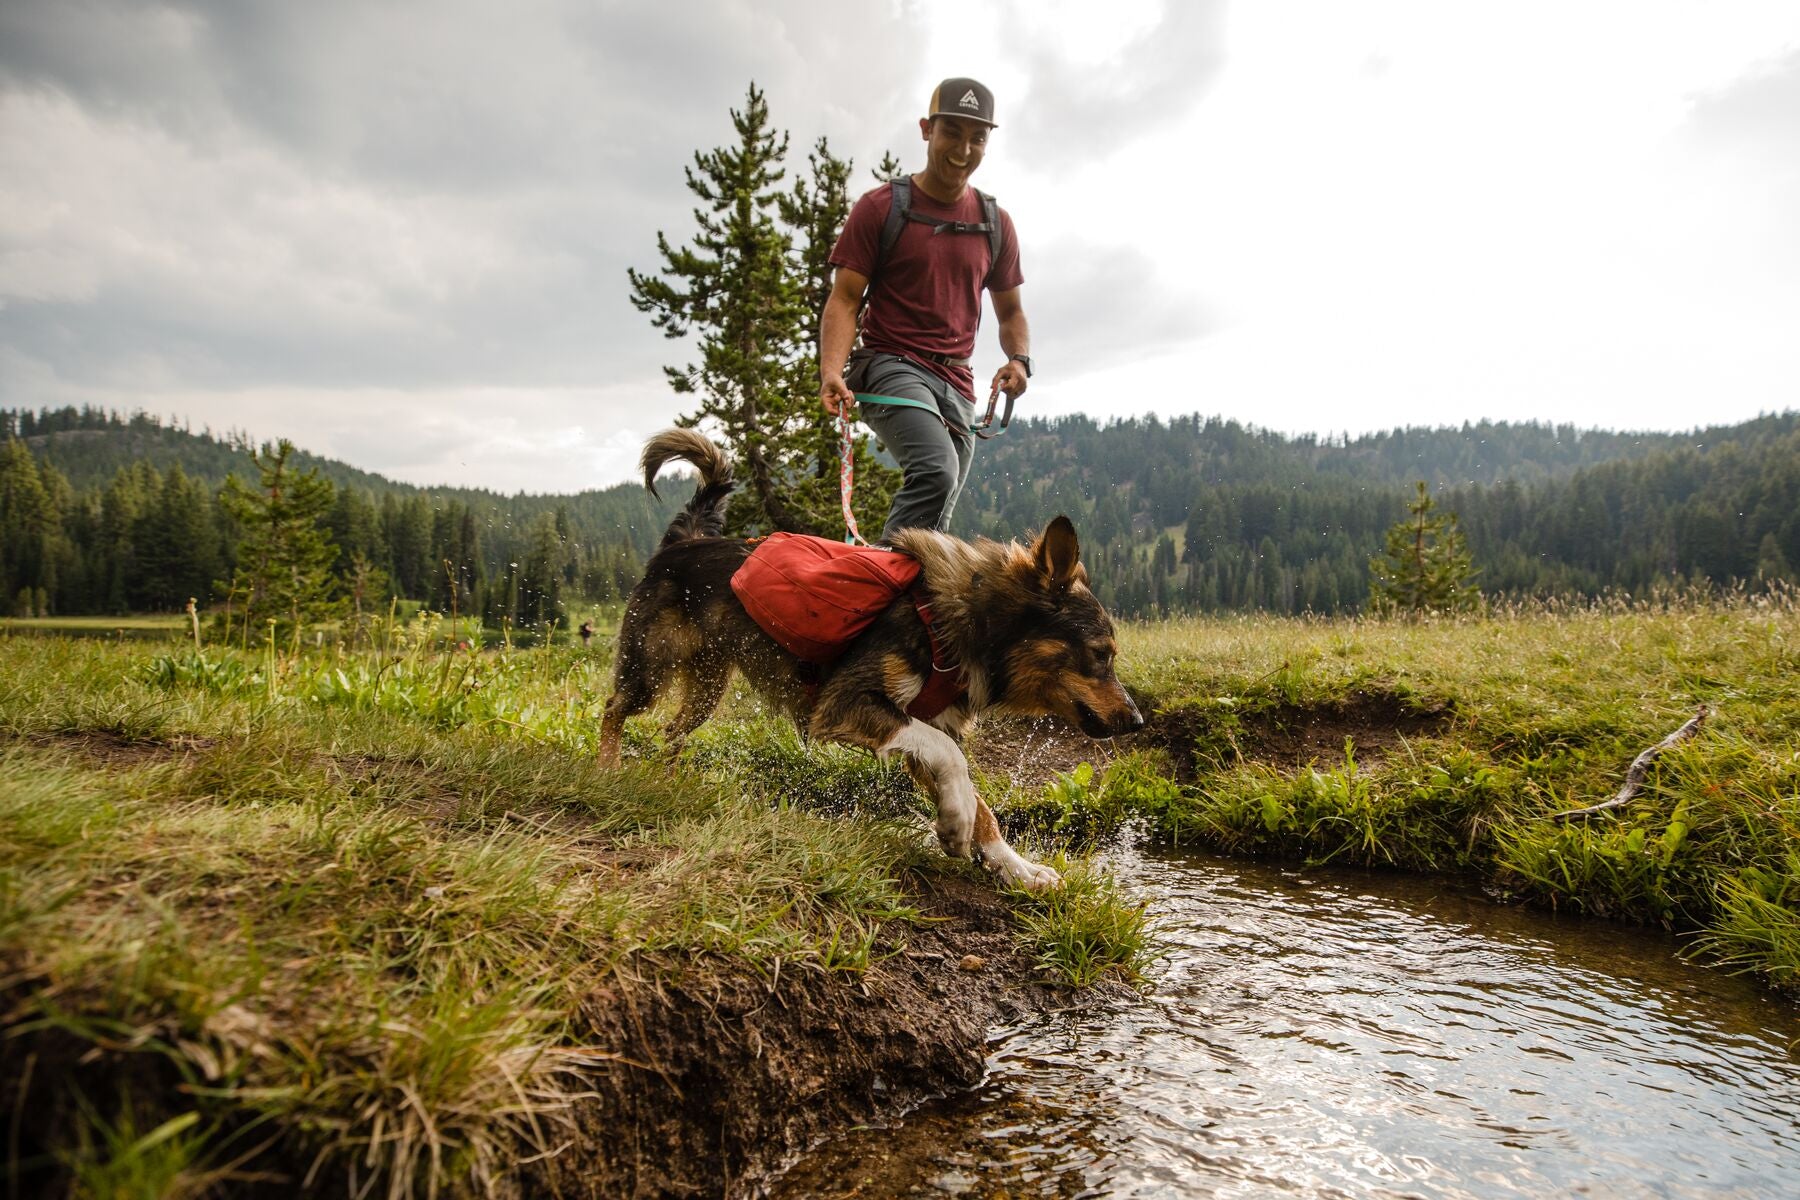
x: 1177, y: 516
x: 149, y: 538
x: 1204, y: 515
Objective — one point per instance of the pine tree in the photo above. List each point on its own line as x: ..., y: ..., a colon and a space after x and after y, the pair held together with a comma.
x: 541, y: 576
x: 736, y: 288
x: 1426, y: 566
x: 752, y: 287
x: 815, y: 210
x: 29, y: 526
x: 284, y: 560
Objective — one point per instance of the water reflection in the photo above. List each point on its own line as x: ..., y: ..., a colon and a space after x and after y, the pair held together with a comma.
x: 1339, y: 1034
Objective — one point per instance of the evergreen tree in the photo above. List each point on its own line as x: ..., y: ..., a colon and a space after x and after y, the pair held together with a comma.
x: 735, y: 288
x: 29, y: 528
x: 815, y: 210
x: 1426, y: 566
x: 285, y: 557
x: 751, y: 287
x: 540, y: 576
x: 172, y: 544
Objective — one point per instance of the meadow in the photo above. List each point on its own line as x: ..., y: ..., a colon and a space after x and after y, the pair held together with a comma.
x: 375, y: 920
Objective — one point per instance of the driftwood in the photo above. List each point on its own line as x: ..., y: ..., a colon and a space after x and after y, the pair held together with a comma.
x: 1639, y: 769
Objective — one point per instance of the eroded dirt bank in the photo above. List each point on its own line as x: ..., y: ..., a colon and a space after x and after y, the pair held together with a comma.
x: 731, y: 1076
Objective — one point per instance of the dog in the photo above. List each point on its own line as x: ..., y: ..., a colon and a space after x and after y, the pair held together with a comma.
x: 1030, y: 638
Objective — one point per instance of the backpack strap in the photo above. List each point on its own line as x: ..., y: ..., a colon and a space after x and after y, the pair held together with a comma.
x: 990, y: 216
x: 900, y: 211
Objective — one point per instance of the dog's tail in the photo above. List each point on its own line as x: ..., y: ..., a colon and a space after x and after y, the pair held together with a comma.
x: 704, y: 515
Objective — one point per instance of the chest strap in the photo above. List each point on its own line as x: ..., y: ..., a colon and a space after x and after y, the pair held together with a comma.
x: 946, y: 683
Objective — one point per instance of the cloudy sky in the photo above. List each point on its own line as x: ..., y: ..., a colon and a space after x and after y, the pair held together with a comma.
x: 398, y: 232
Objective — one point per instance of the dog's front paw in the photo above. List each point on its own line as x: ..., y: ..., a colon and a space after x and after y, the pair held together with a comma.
x: 956, y: 837
x: 1023, y: 873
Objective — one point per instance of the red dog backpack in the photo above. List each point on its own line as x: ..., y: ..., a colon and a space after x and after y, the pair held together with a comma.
x: 815, y: 596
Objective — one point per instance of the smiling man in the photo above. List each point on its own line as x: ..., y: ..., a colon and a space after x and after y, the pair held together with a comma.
x: 918, y: 252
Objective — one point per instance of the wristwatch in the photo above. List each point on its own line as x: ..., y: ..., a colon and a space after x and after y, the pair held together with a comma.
x: 1024, y: 360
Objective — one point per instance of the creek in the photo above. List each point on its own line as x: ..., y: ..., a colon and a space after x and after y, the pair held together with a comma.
x: 1336, y: 1033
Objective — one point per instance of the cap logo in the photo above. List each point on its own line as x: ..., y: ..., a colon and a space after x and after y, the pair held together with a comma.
x: 969, y: 101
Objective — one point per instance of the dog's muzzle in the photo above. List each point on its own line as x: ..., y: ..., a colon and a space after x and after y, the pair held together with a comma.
x: 1125, y: 720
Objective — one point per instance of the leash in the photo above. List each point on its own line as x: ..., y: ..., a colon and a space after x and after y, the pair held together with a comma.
x: 847, y: 476
x: 847, y: 457
x: 993, y: 402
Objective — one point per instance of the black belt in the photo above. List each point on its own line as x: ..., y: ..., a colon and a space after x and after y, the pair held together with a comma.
x: 943, y: 359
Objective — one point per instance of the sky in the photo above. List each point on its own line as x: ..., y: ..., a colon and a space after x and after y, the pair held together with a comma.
x: 398, y: 233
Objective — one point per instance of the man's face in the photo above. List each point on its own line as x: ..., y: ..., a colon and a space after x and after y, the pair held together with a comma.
x: 953, y: 149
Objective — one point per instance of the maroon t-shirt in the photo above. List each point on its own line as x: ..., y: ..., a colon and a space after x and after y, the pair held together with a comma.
x: 927, y: 296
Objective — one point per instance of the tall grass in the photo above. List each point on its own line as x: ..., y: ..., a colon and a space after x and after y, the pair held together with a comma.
x: 1543, y: 706
x: 345, y: 911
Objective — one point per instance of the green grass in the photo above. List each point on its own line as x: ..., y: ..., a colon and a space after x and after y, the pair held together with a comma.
x: 150, y: 626
x: 1539, y: 710
x: 348, y: 910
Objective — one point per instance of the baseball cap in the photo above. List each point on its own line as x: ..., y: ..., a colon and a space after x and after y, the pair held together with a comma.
x: 960, y: 97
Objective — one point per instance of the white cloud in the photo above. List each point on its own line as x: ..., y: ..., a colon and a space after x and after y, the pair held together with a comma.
x: 399, y: 234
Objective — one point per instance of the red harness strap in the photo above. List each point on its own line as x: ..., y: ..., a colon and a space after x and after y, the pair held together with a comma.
x: 946, y: 683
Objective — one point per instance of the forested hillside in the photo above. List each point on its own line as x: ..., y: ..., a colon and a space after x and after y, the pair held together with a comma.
x: 100, y: 513
x: 1201, y: 514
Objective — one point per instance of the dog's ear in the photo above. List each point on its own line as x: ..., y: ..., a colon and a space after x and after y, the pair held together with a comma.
x: 1057, y: 554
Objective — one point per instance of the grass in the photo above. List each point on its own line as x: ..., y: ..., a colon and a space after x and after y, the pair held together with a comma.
x: 1532, y: 711
x: 153, y: 626
x: 350, y: 911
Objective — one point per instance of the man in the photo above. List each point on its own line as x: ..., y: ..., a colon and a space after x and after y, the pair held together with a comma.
x: 911, y: 372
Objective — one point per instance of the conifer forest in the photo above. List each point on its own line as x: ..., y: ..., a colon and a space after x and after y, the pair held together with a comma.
x: 107, y: 513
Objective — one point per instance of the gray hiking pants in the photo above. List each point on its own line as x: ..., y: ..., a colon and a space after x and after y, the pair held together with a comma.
x: 924, y: 423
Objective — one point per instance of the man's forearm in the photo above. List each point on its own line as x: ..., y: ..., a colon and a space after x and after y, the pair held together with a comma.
x: 1015, y: 335
x: 837, y: 330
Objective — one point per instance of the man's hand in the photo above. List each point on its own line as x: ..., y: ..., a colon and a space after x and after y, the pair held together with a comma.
x: 1009, y: 379
x: 836, y: 395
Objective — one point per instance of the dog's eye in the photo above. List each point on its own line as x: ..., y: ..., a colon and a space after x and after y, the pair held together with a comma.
x: 1103, y: 656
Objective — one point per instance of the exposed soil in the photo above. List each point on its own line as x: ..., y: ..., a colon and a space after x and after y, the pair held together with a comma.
x: 1030, y: 753
x: 720, y: 1077
x: 108, y: 748
x: 737, y: 1076
x: 1200, y: 739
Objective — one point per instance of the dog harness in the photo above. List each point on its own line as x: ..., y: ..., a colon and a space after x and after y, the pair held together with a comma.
x: 815, y: 597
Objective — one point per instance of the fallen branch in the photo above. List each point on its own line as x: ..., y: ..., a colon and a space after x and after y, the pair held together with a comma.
x: 1639, y: 769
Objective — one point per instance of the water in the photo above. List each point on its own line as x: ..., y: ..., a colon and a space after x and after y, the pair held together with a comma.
x: 1341, y: 1034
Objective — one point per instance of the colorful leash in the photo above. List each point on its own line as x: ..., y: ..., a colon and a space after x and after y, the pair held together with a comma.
x: 847, y: 475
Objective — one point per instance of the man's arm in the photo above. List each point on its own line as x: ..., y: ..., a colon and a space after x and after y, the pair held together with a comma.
x: 837, y: 331
x: 1015, y: 339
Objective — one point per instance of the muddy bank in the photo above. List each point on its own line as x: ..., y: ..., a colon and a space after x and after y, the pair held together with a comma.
x: 713, y: 1079
x: 729, y: 1077
x: 1200, y: 738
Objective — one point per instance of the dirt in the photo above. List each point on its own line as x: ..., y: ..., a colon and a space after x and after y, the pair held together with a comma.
x: 721, y: 1077
x: 1031, y: 753
x: 107, y: 748
x: 737, y: 1075
x: 1199, y: 739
